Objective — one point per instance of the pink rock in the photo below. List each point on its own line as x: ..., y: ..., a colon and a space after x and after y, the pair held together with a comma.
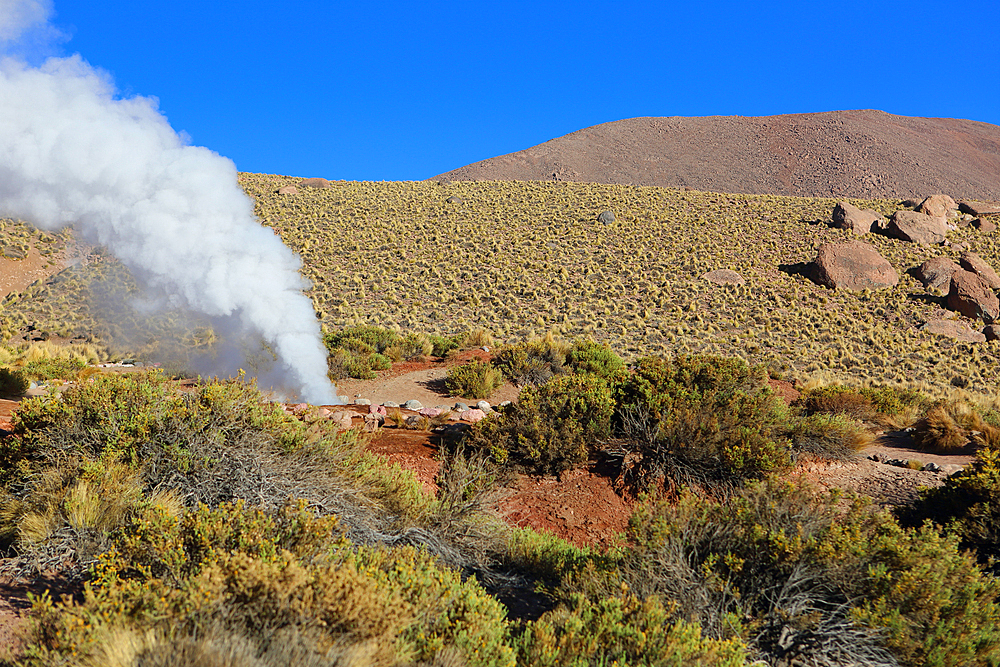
x: 324, y: 413
x: 377, y: 410
x: 431, y: 412
x: 473, y: 415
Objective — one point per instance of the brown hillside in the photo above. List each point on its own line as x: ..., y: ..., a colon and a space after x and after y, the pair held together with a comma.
x: 862, y: 154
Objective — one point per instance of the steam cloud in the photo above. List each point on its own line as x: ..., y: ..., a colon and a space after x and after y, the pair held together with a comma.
x: 71, y: 152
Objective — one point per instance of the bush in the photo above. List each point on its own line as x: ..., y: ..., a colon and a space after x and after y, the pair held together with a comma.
x: 595, y: 358
x: 837, y: 400
x: 830, y: 436
x: 806, y: 580
x: 950, y: 426
x: 475, y: 379
x: 284, y: 589
x: 359, y: 351
x: 533, y: 362
x: 13, y: 382
x: 622, y: 631
x: 702, y: 419
x: 551, y: 428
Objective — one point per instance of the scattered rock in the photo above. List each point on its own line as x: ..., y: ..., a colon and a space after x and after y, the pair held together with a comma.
x: 970, y: 261
x: 362, y: 401
x: 724, y: 277
x: 936, y: 273
x: 853, y: 266
x: 848, y: 216
x: 343, y: 399
x: 473, y: 415
x: 484, y: 406
x: 917, y: 227
x: 453, y: 200
x: 978, y: 208
x: 970, y: 295
x: 342, y: 419
x: 288, y: 190
x: 606, y: 217
x: 412, y: 421
x: 932, y: 467
x: 315, y: 183
x: 992, y: 332
x: 431, y: 412
x: 377, y: 410
x: 951, y: 468
x: 390, y: 404
x: 461, y: 407
x: 985, y: 226
x: 956, y: 329
x: 413, y: 404
x: 938, y: 206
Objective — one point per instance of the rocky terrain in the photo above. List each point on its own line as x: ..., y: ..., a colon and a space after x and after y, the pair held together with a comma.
x: 862, y: 154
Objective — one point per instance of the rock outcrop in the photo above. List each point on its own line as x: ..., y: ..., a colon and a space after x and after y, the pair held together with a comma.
x: 971, y: 296
x: 848, y: 216
x: 917, y: 227
x: 936, y: 273
x: 970, y: 261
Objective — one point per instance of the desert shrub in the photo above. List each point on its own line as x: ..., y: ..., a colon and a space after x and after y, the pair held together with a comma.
x: 282, y: 587
x: 411, y: 347
x: 702, y: 419
x: 533, y: 362
x: 952, y: 425
x: 802, y: 578
x: 893, y: 400
x: 544, y: 555
x: 359, y: 351
x: 442, y: 345
x: 475, y: 379
x: 831, y: 436
x: 13, y: 382
x: 622, y: 631
x: 968, y: 505
x: 551, y: 428
x: 837, y: 400
x: 55, y: 368
x: 587, y: 356
x: 376, y: 339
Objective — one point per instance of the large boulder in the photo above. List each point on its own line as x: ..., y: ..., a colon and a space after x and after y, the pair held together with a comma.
x: 970, y: 261
x: 978, y: 208
x: 917, y: 227
x: 315, y: 183
x: 854, y: 265
x: 970, y: 295
x: 956, y: 329
x: 847, y: 216
x: 936, y: 273
x: 937, y: 205
x: 723, y: 277
x: 288, y: 190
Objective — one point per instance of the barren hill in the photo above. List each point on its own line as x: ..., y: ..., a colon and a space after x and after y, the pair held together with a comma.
x: 863, y: 154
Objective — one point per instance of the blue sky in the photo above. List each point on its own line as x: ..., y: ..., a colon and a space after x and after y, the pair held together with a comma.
x: 407, y: 90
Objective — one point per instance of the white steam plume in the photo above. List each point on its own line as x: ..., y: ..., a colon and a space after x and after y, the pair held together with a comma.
x: 73, y: 153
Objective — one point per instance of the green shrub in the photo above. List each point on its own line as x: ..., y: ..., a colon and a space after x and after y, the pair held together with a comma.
x: 551, y: 428
x: 358, y: 352
x: 51, y: 369
x: 830, y: 436
x: 533, y: 362
x: 893, y: 400
x: 475, y: 379
x: 622, y: 631
x: 442, y: 345
x: 968, y: 505
x: 13, y: 382
x: 802, y: 577
x: 702, y: 419
x: 287, y: 589
x: 596, y: 358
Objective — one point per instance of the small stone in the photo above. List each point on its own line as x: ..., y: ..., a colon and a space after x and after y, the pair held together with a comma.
x: 372, y: 423
x: 484, y: 406
x: 443, y: 408
x: 461, y: 407
x: 955, y: 329
x: 288, y: 190
x: 362, y: 401
x: 431, y: 412
x: 413, y: 404
x: 992, y: 332
x: 453, y: 200
x: 390, y: 404
x: 606, y: 217
x: 343, y: 398
x: 504, y: 404
x: 932, y: 467
x: 324, y: 413
x: 377, y: 410
x: 412, y: 421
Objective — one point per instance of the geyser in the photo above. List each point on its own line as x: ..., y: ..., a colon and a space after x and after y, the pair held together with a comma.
x: 73, y: 152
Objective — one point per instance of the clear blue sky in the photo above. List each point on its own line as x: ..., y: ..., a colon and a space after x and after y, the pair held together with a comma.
x: 407, y: 90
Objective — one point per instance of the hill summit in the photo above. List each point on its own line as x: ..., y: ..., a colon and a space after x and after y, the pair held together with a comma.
x: 863, y: 154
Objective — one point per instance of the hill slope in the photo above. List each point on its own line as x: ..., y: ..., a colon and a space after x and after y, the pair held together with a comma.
x: 865, y: 153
